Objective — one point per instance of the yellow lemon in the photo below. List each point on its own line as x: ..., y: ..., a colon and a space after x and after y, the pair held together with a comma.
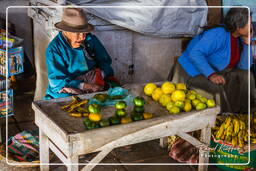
x: 203, y: 99
x: 165, y: 99
x: 174, y: 110
x: 195, y: 102
x: 157, y: 93
x: 149, y: 88
x: 181, y: 86
x: 169, y: 105
x: 200, y: 106
x: 191, y: 96
x: 168, y: 87
x: 188, y: 100
x: 178, y: 95
x: 187, y: 107
x: 179, y: 104
x: 192, y: 92
x: 210, y: 103
x: 95, y: 117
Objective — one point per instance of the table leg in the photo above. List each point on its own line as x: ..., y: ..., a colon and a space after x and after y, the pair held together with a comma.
x: 73, y: 160
x: 203, y: 155
x: 44, y: 151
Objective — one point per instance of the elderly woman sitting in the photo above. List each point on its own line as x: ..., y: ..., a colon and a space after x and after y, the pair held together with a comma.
x: 76, y: 60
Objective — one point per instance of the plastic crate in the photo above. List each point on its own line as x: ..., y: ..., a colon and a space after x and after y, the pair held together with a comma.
x: 6, y: 107
x: 226, y: 154
x: 15, y: 61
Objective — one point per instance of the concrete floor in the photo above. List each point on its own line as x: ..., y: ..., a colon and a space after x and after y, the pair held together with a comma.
x: 143, y: 153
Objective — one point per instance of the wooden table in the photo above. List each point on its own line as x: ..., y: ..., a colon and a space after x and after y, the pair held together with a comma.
x: 67, y: 137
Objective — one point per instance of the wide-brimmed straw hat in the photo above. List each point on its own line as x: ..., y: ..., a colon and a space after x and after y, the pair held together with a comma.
x: 74, y: 20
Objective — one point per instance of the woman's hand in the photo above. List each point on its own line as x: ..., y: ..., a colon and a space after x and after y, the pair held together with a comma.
x: 217, y: 79
x: 92, y: 87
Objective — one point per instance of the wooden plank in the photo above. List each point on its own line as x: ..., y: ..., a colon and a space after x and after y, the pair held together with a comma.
x: 52, y: 131
x: 73, y: 163
x: 58, y: 153
x: 203, y: 155
x: 100, y: 156
x: 192, y: 140
x: 44, y: 151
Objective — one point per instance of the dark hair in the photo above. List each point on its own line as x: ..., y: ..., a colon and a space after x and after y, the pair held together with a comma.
x: 236, y: 18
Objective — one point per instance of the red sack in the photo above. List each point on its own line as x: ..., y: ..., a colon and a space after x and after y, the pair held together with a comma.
x: 183, y: 151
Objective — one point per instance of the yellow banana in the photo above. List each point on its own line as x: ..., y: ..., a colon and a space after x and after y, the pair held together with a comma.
x: 253, y: 140
x: 236, y: 126
x: 234, y: 141
x: 220, y: 132
x: 227, y: 122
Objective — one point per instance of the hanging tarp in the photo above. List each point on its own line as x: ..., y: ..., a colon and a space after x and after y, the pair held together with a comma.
x: 151, y: 20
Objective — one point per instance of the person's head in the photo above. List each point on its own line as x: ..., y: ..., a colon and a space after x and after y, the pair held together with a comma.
x: 75, y: 39
x: 74, y: 25
x: 237, y: 21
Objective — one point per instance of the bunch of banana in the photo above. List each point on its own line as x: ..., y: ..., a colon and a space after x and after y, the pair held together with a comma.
x: 233, y: 129
x: 75, y: 108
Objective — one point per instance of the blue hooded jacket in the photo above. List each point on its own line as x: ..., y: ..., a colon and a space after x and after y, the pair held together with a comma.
x: 64, y: 63
x: 210, y: 52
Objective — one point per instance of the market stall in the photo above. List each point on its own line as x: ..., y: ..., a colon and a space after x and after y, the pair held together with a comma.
x: 68, y: 138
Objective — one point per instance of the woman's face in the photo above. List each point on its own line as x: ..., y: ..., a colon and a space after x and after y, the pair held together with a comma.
x: 244, y: 31
x: 75, y: 39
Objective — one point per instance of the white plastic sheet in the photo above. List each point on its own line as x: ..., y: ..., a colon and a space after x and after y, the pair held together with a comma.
x: 160, y: 18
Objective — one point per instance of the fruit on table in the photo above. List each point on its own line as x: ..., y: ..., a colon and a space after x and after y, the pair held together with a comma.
x: 137, y: 116
x: 174, y: 110
x: 147, y: 115
x: 157, y: 93
x: 125, y: 120
x: 180, y: 104
x: 203, y: 99
x: 149, y: 88
x: 139, y: 101
x: 170, y: 105
x: 195, y: 102
x: 181, y: 97
x: 210, y: 103
x: 187, y: 107
x: 101, y: 97
x: 191, y: 96
x: 181, y: 86
x: 114, y: 120
x: 95, y: 117
x: 104, y: 122
x: 89, y: 124
x: 178, y: 95
x: 200, y: 106
x: 167, y: 87
x: 120, y: 112
x: 165, y: 99
x: 77, y: 115
x: 120, y: 105
x: 94, y: 108
x: 139, y: 109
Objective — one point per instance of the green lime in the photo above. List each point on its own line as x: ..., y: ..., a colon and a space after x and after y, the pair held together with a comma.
x: 200, y: 106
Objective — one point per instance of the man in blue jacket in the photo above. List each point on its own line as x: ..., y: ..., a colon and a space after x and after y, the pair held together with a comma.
x: 218, y: 59
x: 76, y: 60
